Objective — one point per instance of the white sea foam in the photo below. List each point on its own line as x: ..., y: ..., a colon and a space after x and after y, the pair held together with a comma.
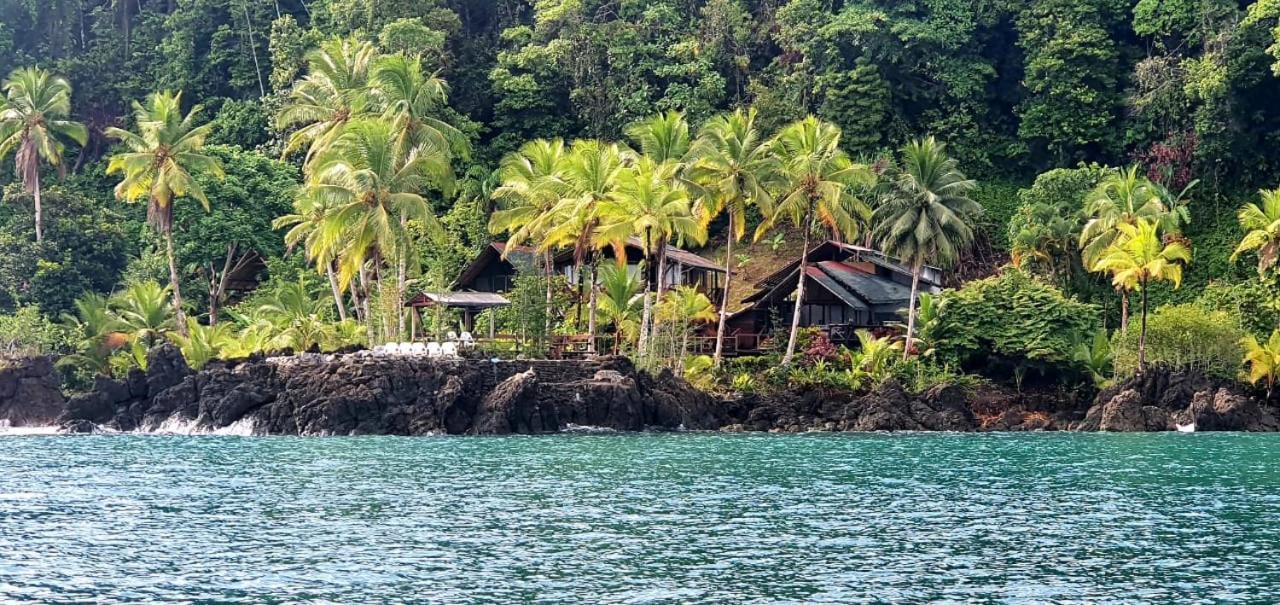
x: 6, y: 429
x: 240, y: 428
x: 585, y: 428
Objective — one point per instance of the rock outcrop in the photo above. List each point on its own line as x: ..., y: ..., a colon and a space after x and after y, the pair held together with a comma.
x: 362, y: 394
x: 30, y: 392
x: 1161, y: 400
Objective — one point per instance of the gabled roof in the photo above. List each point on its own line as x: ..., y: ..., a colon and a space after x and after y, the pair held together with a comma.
x: 833, y: 250
x: 873, y: 289
x: 460, y: 300
x: 852, y: 286
x: 493, y: 253
x: 835, y: 287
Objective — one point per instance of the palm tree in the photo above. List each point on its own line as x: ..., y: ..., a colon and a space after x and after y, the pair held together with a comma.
x: 413, y: 100
x: 1263, y: 360
x: 373, y: 184
x: 649, y: 206
x: 817, y: 186
x: 144, y: 312
x: 297, y: 318
x: 732, y: 164
x: 686, y: 306
x: 1124, y: 197
x: 160, y: 164
x: 307, y: 228
x: 1262, y: 230
x: 98, y: 331
x: 33, y: 122
x: 532, y: 185
x: 663, y: 138
x: 591, y: 174
x: 620, y: 304
x: 1139, y: 256
x: 926, y: 216
x: 334, y: 92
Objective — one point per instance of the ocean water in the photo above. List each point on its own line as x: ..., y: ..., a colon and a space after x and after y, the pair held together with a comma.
x: 681, y: 518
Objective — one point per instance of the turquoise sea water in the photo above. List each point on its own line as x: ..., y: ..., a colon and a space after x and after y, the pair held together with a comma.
x: 686, y: 518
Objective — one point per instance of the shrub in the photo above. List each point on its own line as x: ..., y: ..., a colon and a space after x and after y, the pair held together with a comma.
x: 1009, y: 323
x: 28, y: 332
x: 1253, y: 302
x: 1184, y: 337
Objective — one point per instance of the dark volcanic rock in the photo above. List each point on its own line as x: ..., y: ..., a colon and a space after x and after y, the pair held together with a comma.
x: 364, y: 394
x: 1160, y: 399
x: 30, y: 393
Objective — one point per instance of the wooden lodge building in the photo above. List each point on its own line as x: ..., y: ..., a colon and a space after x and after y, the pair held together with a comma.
x: 848, y: 288
x: 490, y: 272
x: 483, y: 283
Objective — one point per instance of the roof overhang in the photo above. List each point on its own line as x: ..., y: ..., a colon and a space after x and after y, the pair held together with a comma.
x: 459, y: 300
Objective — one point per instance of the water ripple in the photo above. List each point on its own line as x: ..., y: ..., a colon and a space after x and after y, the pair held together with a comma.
x: 695, y: 518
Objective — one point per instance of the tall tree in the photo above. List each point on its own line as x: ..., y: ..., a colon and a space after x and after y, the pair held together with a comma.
x: 817, y: 185
x: 334, y: 92
x: 373, y: 182
x: 532, y: 186
x: 649, y: 206
x: 926, y: 216
x: 33, y: 121
x: 732, y: 165
x: 591, y: 173
x: 1123, y: 198
x: 1138, y: 257
x: 161, y: 160
x: 306, y: 227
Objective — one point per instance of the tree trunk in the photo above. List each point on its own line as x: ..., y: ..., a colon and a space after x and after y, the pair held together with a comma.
x: 337, y: 292
x: 795, y: 316
x: 36, y: 193
x: 724, y: 298
x: 364, y: 302
x: 548, y: 266
x: 1124, y: 310
x: 646, y: 316
x: 591, y: 313
x: 911, y: 310
x: 178, y: 315
x: 660, y: 287
x: 1142, y: 337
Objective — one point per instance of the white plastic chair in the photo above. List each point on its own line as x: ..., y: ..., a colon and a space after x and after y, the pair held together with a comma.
x: 418, y: 348
x: 433, y: 349
x: 451, y: 336
x: 449, y: 349
x: 466, y: 340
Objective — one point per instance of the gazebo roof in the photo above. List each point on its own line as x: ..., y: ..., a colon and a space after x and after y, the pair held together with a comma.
x: 459, y: 300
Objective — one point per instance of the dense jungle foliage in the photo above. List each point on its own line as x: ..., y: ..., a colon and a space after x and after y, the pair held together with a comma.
x: 1062, y: 111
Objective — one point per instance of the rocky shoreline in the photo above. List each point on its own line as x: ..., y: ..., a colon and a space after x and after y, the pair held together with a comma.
x: 362, y: 394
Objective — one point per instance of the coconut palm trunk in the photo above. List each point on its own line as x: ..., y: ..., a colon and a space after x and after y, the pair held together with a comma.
x: 911, y: 310
x: 795, y: 316
x: 646, y: 315
x: 1142, y: 336
x: 178, y: 315
x: 549, y: 268
x: 591, y: 313
x: 337, y: 292
x: 1124, y: 310
x: 402, y: 275
x: 660, y: 287
x: 724, y: 297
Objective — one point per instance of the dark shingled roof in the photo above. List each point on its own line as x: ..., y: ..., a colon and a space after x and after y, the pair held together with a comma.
x: 871, y: 288
x: 835, y: 287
